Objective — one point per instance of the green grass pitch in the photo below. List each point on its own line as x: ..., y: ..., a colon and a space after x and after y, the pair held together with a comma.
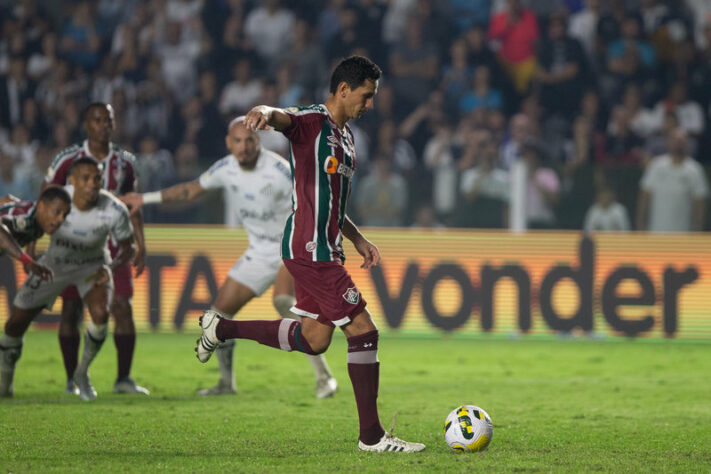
x: 565, y: 406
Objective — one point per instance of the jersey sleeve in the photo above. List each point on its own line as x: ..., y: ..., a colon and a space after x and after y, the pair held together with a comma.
x: 58, y: 172
x: 213, y: 177
x: 121, y: 228
x: 305, y: 123
x: 130, y: 183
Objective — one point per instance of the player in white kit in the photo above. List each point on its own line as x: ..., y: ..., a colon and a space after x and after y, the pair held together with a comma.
x: 257, y: 192
x: 77, y: 255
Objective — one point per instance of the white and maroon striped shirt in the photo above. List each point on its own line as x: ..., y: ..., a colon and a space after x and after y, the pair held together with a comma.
x: 323, y: 161
x: 118, y: 170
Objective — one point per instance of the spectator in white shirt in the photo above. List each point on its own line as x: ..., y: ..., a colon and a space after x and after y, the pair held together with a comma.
x: 690, y: 113
x: 243, y: 92
x: 673, y: 190
x: 269, y: 27
x: 583, y: 25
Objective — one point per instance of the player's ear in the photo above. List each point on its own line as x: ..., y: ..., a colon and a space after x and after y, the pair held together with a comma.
x: 343, y: 89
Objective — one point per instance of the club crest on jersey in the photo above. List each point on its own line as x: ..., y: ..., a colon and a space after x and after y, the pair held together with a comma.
x: 21, y: 223
x: 310, y: 246
x: 351, y: 295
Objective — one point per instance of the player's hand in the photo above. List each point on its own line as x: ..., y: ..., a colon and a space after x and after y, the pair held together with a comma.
x: 134, y: 201
x: 370, y: 253
x: 139, y: 260
x: 100, y: 277
x: 40, y: 270
x: 257, y: 119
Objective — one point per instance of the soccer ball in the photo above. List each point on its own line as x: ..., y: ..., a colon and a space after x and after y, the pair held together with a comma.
x: 468, y: 429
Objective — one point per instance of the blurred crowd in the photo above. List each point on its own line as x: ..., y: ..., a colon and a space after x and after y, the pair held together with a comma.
x: 605, y: 101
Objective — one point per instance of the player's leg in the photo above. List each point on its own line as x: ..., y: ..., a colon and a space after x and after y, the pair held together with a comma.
x: 69, y: 335
x: 364, y: 371
x: 309, y: 336
x: 97, y: 299
x: 124, y: 330
x: 232, y: 296
x: 11, y: 345
x: 34, y: 295
x: 283, y: 299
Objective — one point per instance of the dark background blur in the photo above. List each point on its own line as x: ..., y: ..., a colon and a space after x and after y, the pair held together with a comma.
x: 587, y: 92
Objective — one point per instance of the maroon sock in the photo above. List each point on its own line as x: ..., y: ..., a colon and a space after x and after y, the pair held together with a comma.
x: 125, y: 345
x: 284, y: 334
x: 364, y: 371
x: 70, y: 352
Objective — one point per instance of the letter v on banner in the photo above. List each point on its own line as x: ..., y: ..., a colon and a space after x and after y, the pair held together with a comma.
x: 394, y: 307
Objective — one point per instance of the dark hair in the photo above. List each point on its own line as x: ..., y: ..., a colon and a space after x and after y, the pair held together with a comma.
x: 87, y: 109
x: 53, y: 192
x: 84, y: 160
x: 354, y: 71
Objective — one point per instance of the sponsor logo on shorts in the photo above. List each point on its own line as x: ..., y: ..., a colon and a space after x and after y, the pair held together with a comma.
x: 351, y: 295
x: 310, y: 246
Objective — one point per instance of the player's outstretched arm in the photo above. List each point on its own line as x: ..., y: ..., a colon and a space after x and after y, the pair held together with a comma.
x: 262, y: 117
x: 370, y: 253
x: 13, y: 249
x: 179, y: 193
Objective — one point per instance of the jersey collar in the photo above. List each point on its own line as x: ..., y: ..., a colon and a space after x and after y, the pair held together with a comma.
x: 85, y: 148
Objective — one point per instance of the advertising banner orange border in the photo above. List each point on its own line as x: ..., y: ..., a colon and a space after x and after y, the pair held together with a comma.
x: 634, y: 284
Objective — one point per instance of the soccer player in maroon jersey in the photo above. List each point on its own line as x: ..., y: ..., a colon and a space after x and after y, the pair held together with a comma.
x: 322, y: 163
x: 118, y: 177
x: 22, y: 222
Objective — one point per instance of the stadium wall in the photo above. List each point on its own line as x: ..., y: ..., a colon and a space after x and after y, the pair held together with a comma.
x: 468, y: 282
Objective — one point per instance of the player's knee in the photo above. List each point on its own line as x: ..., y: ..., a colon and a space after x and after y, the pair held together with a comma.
x: 121, y: 309
x: 317, y: 345
x: 283, y: 304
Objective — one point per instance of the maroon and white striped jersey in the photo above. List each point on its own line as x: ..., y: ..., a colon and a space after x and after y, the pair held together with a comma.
x: 323, y: 161
x: 21, y: 219
x: 118, y: 171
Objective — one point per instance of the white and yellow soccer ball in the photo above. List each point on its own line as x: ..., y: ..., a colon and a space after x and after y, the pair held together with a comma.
x: 468, y: 429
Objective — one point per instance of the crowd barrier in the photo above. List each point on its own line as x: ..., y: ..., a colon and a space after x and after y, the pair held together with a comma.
x: 468, y: 282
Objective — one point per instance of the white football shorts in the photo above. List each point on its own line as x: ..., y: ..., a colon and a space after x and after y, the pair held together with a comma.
x: 255, y: 273
x: 35, y: 292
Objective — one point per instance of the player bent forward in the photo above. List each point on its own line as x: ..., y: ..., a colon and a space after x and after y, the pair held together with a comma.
x: 23, y: 222
x: 323, y: 161
x: 248, y: 171
x: 77, y: 255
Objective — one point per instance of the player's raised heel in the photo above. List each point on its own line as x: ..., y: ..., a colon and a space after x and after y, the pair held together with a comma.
x: 222, y: 388
x: 208, y: 341
x: 389, y: 443
x: 86, y: 390
x: 127, y: 385
x: 326, y: 387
